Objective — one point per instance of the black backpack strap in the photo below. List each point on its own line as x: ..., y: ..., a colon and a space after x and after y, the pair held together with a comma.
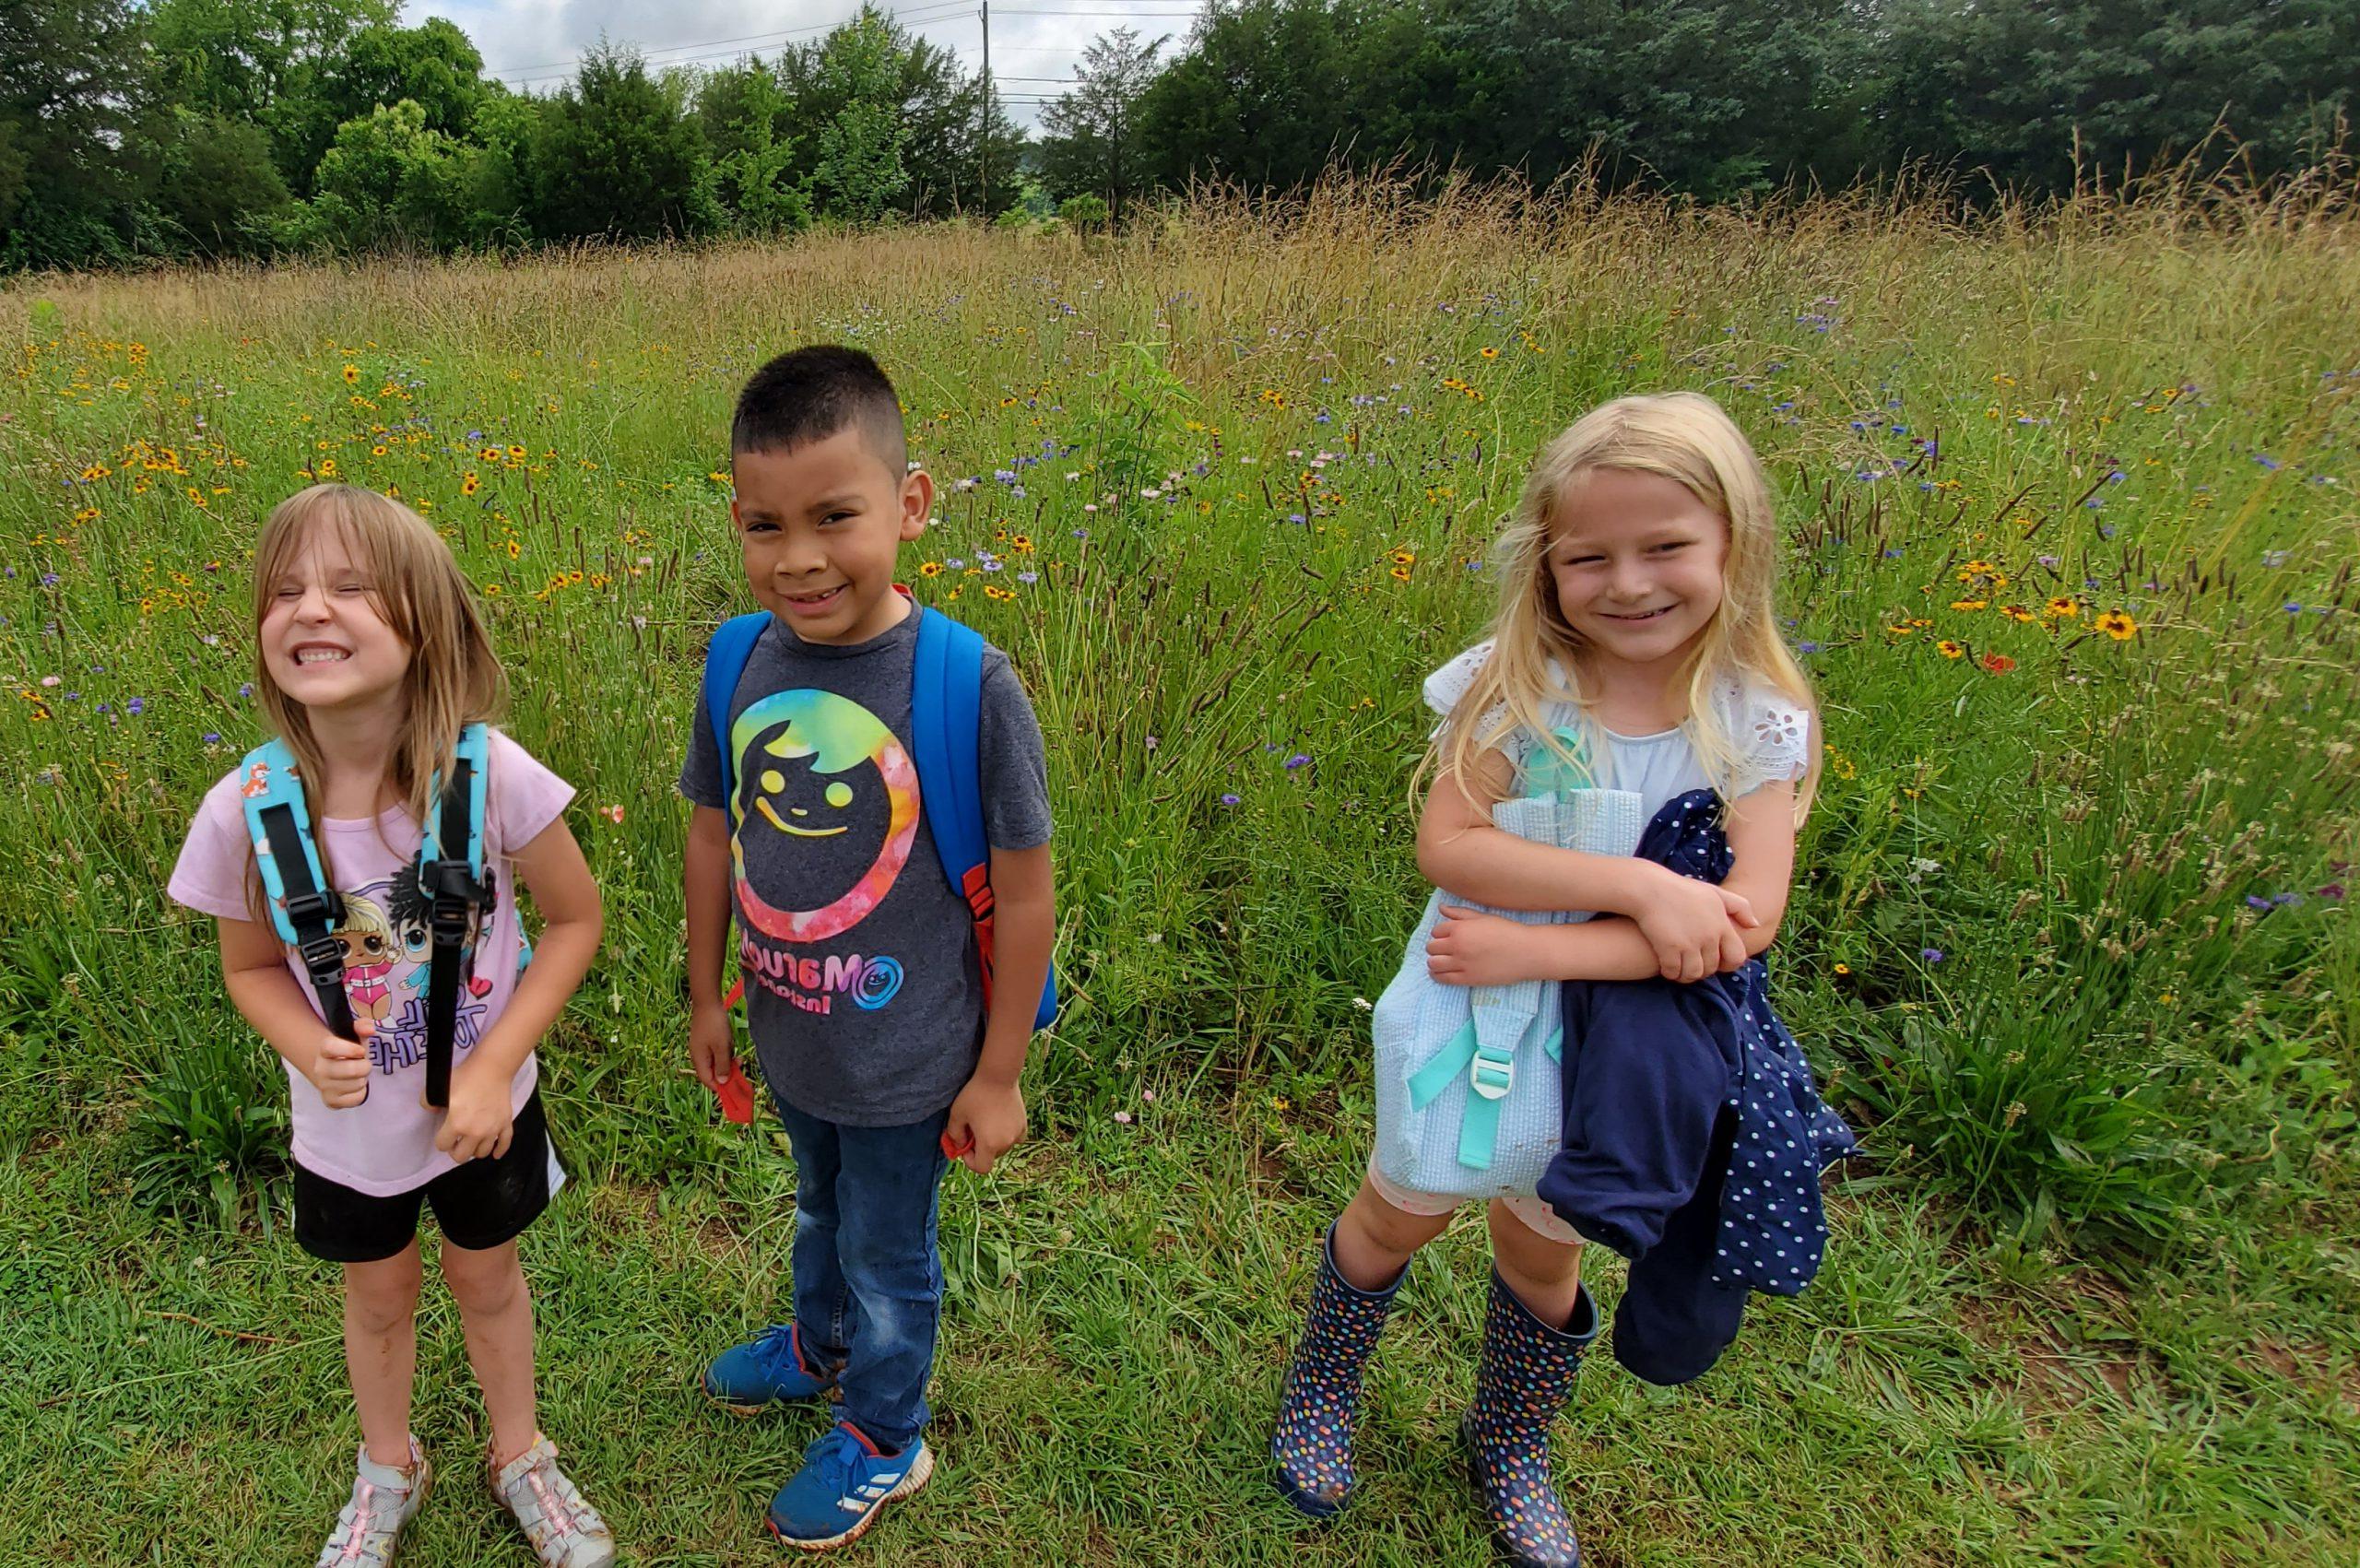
x: 453, y: 891
x: 315, y: 913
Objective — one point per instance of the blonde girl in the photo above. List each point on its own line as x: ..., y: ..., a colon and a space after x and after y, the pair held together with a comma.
x: 1634, y: 648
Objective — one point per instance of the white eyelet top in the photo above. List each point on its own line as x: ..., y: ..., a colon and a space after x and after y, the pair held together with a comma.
x: 1770, y: 730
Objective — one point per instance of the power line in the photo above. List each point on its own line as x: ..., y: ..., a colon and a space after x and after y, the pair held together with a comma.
x: 922, y: 16
x: 1023, y: 49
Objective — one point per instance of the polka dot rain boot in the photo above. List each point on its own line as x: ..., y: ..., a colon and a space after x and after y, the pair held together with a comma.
x: 1523, y: 1379
x: 1313, y: 1444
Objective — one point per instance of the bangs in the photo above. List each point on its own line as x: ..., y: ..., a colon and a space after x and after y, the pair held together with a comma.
x: 406, y: 562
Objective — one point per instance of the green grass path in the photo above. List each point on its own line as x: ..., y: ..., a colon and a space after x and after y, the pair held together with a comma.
x: 1123, y: 1296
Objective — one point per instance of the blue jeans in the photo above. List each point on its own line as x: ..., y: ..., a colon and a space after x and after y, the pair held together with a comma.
x: 867, y: 1268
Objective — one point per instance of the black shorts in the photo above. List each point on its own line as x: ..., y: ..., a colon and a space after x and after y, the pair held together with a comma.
x: 478, y: 1205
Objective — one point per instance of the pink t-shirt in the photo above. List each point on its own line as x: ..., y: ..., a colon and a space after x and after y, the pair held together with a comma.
x: 385, y: 1144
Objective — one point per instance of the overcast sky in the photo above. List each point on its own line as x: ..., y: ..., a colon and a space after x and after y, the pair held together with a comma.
x: 534, y: 43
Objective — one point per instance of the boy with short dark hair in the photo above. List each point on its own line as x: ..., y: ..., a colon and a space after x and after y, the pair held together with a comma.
x: 890, y: 1012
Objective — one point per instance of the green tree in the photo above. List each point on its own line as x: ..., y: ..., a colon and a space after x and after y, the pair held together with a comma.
x: 1712, y: 97
x: 618, y: 154
x: 216, y: 184
x: 742, y: 113
x: 261, y: 62
x: 2007, y: 86
x: 389, y: 182
x: 859, y: 168
x: 945, y: 132
x: 1090, y: 137
x: 1254, y: 98
x: 435, y: 65
x: 75, y: 111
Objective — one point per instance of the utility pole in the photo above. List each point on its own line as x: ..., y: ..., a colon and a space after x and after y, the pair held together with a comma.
x: 983, y: 147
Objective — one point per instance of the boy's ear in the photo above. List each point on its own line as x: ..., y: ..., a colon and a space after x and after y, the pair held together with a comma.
x: 917, y: 503
x: 734, y: 520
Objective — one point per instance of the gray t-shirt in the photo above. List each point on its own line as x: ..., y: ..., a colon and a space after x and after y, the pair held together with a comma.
x: 864, y: 993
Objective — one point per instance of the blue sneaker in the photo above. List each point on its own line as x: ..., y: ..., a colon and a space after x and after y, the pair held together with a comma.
x: 764, y: 1370
x: 844, y: 1483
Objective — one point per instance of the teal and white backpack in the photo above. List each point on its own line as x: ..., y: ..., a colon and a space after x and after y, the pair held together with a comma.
x: 1469, y: 1097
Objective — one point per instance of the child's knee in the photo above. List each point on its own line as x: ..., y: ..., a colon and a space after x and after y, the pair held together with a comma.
x: 483, y: 1282
x: 1388, y: 1227
x: 1524, y: 1251
x: 381, y: 1296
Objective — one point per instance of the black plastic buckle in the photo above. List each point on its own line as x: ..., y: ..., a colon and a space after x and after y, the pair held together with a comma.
x: 323, y: 959
x: 323, y: 904
x: 452, y: 891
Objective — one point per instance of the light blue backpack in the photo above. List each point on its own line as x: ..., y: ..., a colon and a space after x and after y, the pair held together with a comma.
x: 1468, y: 1084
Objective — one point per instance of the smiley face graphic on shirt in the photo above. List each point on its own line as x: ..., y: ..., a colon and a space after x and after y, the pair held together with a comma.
x: 825, y: 776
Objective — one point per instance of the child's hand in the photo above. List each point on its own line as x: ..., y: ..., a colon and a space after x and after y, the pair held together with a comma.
x: 986, y: 1121
x: 1470, y: 948
x: 710, y: 1045
x: 480, y: 1123
x: 1693, y: 927
x: 339, y: 1068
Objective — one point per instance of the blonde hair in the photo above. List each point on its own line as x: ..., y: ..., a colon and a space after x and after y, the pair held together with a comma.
x: 418, y: 590
x: 1536, y: 653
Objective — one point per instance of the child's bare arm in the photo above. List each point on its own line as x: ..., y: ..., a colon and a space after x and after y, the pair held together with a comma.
x: 1468, y: 949
x: 477, y: 1123
x: 705, y: 884
x: 1461, y: 852
x: 566, y: 896
x: 1761, y: 827
x: 253, y: 971
x: 989, y: 1116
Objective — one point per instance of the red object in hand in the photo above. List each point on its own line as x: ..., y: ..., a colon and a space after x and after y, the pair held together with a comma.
x: 953, y: 1151
x: 737, y: 1096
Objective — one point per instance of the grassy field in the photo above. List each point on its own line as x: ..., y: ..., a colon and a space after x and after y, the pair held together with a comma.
x: 2070, y: 520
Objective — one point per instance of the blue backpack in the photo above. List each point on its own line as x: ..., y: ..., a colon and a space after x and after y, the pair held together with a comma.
x: 946, y: 731
x: 306, y: 911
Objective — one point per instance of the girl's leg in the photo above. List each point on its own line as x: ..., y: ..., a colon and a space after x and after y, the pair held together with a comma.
x: 1363, y: 1261
x: 381, y: 1350
x: 497, y: 1312
x: 1537, y: 1326
x: 1375, y: 1239
x: 1545, y: 1273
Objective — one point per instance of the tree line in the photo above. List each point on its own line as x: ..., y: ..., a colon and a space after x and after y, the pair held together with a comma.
x: 207, y: 128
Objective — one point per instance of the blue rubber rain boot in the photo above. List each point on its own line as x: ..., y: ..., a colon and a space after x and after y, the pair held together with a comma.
x: 1312, y: 1446
x: 1523, y: 1379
